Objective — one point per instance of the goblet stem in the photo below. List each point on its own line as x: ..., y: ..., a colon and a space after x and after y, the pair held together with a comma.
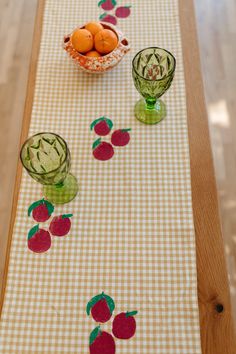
x: 151, y: 103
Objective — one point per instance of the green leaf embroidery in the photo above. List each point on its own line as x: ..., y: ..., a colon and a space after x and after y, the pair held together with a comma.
x: 92, y: 302
x: 108, y: 121
x: 49, y: 206
x: 34, y: 205
x: 64, y: 216
x: 33, y: 231
x: 126, y: 130
x: 110, y: 303
x: 95, y: 299
x: 96, y: 143
x: 94, y: 334
x: 129, y: 314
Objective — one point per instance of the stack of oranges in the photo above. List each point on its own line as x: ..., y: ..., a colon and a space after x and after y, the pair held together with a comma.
x: 93, y: 40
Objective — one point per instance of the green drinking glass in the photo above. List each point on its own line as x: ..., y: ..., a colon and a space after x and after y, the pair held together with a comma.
x: 153, y: 70
x: 46, y: 158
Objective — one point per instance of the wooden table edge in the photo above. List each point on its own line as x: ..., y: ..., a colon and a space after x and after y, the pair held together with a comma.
x: 216, y: 322
x: 217, y: 330
x: 24, y: 131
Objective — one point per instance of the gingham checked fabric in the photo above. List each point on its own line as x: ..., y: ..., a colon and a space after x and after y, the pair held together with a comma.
x: 132, y: 232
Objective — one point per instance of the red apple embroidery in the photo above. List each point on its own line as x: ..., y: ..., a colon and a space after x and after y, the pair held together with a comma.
x: 101, y: 342
x: 120, y: 137
x: 108, y: 18
x: 41, y: 210
x: 101, y: 308
x: 39, y: 240
x: 123, y: 11
x: 124, y: 325
x: 102, y: 150
x: 60, y: 225
x: 102, y: 126
x: 107, y: 5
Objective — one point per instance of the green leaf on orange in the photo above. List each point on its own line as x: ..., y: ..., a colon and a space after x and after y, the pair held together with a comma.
x: 96, y: 143
x: 33, y: 231
x: 94, y: 334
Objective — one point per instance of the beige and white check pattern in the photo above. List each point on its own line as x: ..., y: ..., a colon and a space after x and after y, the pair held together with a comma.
x: 132, y: 234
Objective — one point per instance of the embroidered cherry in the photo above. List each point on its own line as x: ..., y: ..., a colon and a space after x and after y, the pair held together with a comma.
x: 101, y: 342
x: 102, y: 126
x: 39, y: 240
x: 108, y: 18
x: 124, y: 325
x: 101, y: 307
x: 107, y: 4
x: 120, y: 137
x: 123, y: 11
x: 102, y: 150
x: 60, y: 225
x: 41, y: 210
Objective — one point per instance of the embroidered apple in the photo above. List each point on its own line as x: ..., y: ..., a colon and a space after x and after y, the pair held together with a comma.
x: 107, y: 4
x: 102, y: 150
x: 108, y: 18
x: 41, y: 210
x: 39, y: 240
x: 123, y: 11
x: 120, y: 137
x: 60, y: 225
x: 101, y: 342
x: 124, y: 325
x: 101, y: 307
x: 102, y: 126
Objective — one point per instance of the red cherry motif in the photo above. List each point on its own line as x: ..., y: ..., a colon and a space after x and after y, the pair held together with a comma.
x: 102, y: 126
x: 120, y: 137
x: 123, y: 11
x: 124, y: 325
x: 39, y: 240
x: 101, y: 342
x: 108, y: 18
x: 102, y: 150
x: 41, y: 210
x: 60, y: 225
x: 101, y: 308
x: 107, y: 4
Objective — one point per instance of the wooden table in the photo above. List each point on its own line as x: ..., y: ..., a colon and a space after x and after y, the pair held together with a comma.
x: 217, y: 332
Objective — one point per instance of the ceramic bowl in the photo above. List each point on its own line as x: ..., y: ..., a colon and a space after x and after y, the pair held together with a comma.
x: 103, y: 63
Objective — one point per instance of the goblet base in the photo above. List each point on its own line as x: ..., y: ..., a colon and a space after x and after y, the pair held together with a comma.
x: 150, y: 116
x: 62, y: 193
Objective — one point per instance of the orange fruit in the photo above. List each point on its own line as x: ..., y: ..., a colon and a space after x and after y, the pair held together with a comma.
x: 82, y: 40
x: 105, y: 41
x: 94, y: 27
x: 93, y: 54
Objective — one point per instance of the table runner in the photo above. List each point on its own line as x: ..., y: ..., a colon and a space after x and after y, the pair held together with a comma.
x: 132, y: 233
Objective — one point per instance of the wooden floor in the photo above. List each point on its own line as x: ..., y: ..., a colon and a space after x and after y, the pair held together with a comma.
x: 217, y: 32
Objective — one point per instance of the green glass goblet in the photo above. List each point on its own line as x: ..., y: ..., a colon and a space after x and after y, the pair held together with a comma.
x: 46, y: 158
x: 153, y: 71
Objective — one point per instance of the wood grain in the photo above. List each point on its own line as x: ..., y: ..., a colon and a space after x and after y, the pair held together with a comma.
x: 217, y: 328
x: 24, y: 133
